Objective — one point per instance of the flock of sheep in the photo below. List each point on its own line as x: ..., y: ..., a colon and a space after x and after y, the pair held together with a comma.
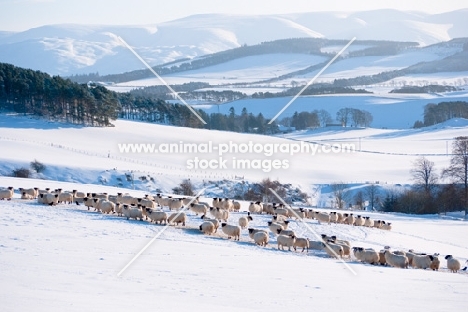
x: 152, y: 209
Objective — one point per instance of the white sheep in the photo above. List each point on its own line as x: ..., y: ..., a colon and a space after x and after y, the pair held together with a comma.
x: 88, y: 201
x: 216, y: 202
x: 33, y: 192
x: 285, y: 232
x: 281, y: 211
x: 301, y: 243
x: 176, y: 203
x: 333, y: 250
x: 207, y: 228
x: 334, y: 217
x: 227, y: 204
x: 378, y: 224
x: 148, y: 203
x: 231, y: 230
x: 65, y: 197
x: 26, y: 196
x: 219, y: 214
x: 422, y: 261
x: 316, y: 245
x: 368, y: 222
x: 269, y: 208
x: 386, y: 226
x: 214, y: 221
x: 366, y: 255
x: 189, y: 200
x: 118, y: 209
x: 350, y: 219
x: 285, y: 240
x: 453, y: 264
x: 244, y: 221
x: 255, y: 208
x: 51, y: 199
x: 126, y: 199
x: 177, y: 217
x: 346, y: 248
x: 359, y: 221
x: 156, y: 216
x: 198, y: 208
x: 273, y: 226
x: 382, y: 260
x: 281, y: 220
x: 322, y: 217
x: 100, y: 195
x: 7, y: 193
x: 132, y: 212
x: 237, y: 205
x: 397, y: 261
x: 435, y: 264
x: 105, y: 206
x: 261, y: 238
x: 252, y: 232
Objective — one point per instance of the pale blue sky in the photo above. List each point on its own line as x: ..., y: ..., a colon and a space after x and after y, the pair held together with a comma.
x: 16, y: 15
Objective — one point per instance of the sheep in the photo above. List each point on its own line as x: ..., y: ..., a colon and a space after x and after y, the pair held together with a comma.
x: 207, y: 228
x: 27, y: 196
x: 368, y: 222
x: 453, y: 264
x: 198, y: 208
x: 333, y: 239
x: 132, y: 212
x: 214, y: 221
x: 118, y: 209
x: 237, y: 205
x: 189, y: 200
x: 148, y: 203
x: 359, y: 221
x: 126, y: 199
x: 269, y: 208
x: 286, y: 240
x: 227, y: 204
x: 382, y: 260
x: 33, y: 192
x: 176, y: 204
x: 285, y: 232
x: 177, y: 217
x: 100, y: 195
x: 65, y: 197
x: 7, y: 193
x: 220, y: 214
x: 231, y: 230
x: 252, y: 232
x: 255, y: 208
x: 244, y: 221
x: 366, y: 255
x: 88, y: 202
x: 378, y: 224
x: 397, y: 261
x: 280, y: 220
x: 346, y: 248
x: 435, y: 264
x: 105, y: 206
x: 340, y: 218
x: 216, y: 202
x: 422, y: 261
x: 316, y: 245
x: 297, y: 213
x: 274, y: 227
x: 322, y: 217
x: 51, y: 199
x: 334, y: 217
x: 386, y: 226
x: 281, y: 211
x: 156, y: 216
x: 333, y: 250
x: 261, y: 238
x: 301, y: 243
x: 350, y: 219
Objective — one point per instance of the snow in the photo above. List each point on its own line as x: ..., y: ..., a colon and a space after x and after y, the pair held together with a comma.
x: 67, y: 258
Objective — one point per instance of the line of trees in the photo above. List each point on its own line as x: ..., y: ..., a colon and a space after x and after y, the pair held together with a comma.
x: 437, y: 113
x: 33, y: 92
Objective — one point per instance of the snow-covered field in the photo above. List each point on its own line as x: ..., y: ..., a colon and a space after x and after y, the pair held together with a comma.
x: 67, y: 258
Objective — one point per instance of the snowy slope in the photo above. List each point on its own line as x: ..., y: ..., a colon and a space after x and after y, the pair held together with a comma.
x: 67, y: 258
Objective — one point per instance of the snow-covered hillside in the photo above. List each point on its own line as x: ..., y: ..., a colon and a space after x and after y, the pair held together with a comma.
x: 68, y: 258
x: 71, y: 49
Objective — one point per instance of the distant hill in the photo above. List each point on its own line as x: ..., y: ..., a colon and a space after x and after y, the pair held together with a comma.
x: 82, y: 49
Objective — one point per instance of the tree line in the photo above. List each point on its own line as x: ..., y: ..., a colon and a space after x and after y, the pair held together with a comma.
x: 443, y: 111
x: 33, y: 92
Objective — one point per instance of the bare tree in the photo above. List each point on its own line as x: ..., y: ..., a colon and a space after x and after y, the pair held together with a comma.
x: 423, y: 173
x: 372, y: 192
x: 359, y: 200
x: 340, y: 193
x: 343, y: 116
x: 458, y: 169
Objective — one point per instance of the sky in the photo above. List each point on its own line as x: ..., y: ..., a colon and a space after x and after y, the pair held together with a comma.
x: 19, y: 15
